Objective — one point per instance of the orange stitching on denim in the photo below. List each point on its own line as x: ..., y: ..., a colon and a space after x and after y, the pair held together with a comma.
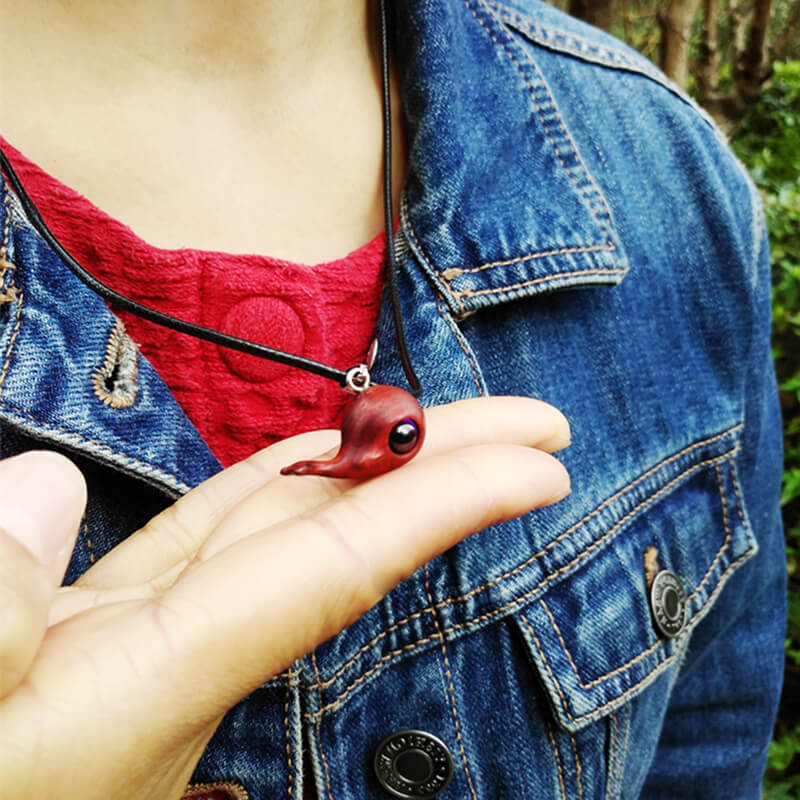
x: 565, y: 40
x: 739, y: 503
x: 450, y: 689
x: 97, y: 442
x: 333, y: 705
x: 459, y: 338
x: 585, y: 49
x: 101, y: 445
x: 522, y: 598
x: 653, y: 647
x: 729, y: 534
x: 565, y: 135
x: 660, y: 668
x: 546, y: 279
x: 549, y: 728
x: 120, y: 357
x: 587, y: 517
x: 11, y: 342
x: 633, y: 512
x: 732, y: 566
x: 319, y: 732
x: 560, y: 639
x: 725, y: 544
x: 519, y: 567
x: 609, y: 246
x: 612, y: 777
x: 10, y: 293
x: 451, y: 273
x: 663, y: 665
x: 606, y: 676
x: 291, y: 676
x: 404, y: 212
x: 545, y: 662
x: 237, y: 791
x: 89, y: 543
x: 328, y: 681
x: 455, y: 272
x: 577, y: 767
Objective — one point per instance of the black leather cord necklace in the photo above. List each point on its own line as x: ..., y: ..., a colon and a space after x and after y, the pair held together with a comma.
x: 383, y: 427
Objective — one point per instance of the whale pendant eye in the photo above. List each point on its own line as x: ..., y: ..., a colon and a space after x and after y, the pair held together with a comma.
x: 404, y: 436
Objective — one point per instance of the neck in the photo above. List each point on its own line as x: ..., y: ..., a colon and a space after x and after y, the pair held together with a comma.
x: 248, y: 126
x: 279, y: 39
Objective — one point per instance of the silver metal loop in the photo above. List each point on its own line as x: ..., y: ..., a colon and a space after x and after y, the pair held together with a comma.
x: 357, y: 379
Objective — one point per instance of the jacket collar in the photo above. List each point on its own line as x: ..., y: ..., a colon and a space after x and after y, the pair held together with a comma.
x: 72, y: 378
x: 498, y: 203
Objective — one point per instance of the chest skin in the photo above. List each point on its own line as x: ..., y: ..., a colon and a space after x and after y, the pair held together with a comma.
x: 258, y: 132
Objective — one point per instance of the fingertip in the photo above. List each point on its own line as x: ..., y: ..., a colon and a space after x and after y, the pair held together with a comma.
x: 44, y: 501
x: 55, y: 469
x: 546, y: 479
x: 562, y: 483
x: 561, y: 436
x: 519, y: 479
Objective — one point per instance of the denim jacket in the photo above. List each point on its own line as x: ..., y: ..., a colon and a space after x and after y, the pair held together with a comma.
x: 573, y: 228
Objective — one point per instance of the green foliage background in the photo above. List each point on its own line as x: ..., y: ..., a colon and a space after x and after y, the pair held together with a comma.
x: 768, y: 143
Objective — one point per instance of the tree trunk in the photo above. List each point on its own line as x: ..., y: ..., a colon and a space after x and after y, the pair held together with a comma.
x: 789, y: 35
x: 752, y: 66
x: 676, y: 34
x: 596, y: 12
x: 738, y: 15
x: 707, y: 72
x: 752, y: 60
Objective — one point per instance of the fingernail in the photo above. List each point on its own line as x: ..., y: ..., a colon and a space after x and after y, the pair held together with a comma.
x: 564, y: 486
x: 558, y: 441
x: 42, y: 504
x: 565, y: 491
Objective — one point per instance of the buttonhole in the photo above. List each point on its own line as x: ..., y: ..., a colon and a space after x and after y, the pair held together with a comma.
x: 115, y: 382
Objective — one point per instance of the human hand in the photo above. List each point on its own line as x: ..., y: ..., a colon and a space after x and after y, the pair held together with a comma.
x: 280, y: 563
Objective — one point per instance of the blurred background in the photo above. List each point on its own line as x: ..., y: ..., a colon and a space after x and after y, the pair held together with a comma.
x: 740, y: 59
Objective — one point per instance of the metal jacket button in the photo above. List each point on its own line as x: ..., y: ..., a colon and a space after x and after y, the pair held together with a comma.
x: 668, y: 603
x: 413, y: 764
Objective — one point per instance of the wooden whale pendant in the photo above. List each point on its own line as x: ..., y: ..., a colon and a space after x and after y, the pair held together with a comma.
x: 382, y: 428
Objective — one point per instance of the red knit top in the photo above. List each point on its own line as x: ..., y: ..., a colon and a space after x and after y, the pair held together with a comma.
x: 238, y: 403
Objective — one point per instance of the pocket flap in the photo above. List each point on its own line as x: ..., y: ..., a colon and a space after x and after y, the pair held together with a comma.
x: 592, y: 636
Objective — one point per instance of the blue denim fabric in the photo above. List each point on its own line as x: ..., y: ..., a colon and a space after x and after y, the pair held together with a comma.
x: 573, y: 228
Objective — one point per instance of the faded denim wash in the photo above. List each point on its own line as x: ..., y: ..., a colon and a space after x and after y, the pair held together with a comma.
x: 573, y: 228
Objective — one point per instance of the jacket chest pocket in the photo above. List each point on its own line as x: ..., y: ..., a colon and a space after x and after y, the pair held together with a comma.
x: 602, y: 631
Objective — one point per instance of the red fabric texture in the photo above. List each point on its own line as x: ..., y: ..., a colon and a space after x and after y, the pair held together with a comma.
x: 238, y: 403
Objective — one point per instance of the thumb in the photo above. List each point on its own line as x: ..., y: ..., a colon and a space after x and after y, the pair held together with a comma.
x: 42, y: 497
